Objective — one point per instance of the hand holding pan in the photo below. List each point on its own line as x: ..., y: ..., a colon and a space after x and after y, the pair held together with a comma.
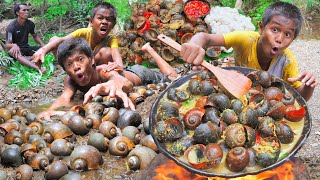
x: 233, y: 83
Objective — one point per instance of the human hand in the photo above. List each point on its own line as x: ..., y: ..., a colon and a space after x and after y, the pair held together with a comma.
x: 192, y: 53
x: 15, y: 51
x: 111, y: 88
x: 38, y: 57
x: 307, y: 78
x: 112, y: 66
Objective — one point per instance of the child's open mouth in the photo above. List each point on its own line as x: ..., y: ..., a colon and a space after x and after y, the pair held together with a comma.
x: 80, y: 76
x: 103, y: 29
x: 274, y: 50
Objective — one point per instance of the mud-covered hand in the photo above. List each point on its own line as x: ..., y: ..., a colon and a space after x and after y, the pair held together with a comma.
x: 15, y: 51
x: 113, y: 66
x: 111, y: 88
x: 192, y: 53
x: 307, y: 78
x: 38, y: 57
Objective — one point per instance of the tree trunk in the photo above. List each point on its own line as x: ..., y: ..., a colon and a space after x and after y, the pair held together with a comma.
x: 238, y: 4
x: 60, y: 24
x: 44, y: 4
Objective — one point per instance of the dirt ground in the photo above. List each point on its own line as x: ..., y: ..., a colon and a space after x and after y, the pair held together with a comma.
x: 307, y: 53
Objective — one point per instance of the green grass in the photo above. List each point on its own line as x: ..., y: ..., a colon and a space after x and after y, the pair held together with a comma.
x: 26, y: 77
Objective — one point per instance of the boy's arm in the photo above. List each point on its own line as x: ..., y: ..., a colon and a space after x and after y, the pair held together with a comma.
x: 39, y: 55
x: 63, y: 100
x: 113, y: 85
x: 14, y: 49
x: 193, y: 52
x: 309, y: 83
x: 117, y: 65
x: 37, y: 39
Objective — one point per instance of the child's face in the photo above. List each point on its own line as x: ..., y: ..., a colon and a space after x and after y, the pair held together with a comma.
x: 79, y: 68
x: 103, y: 21
x: 277, y: 35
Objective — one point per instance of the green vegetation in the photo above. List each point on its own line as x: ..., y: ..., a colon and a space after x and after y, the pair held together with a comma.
x: 26, y: 77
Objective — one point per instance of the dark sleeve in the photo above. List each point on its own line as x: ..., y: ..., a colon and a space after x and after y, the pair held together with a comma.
x: 32, y: 26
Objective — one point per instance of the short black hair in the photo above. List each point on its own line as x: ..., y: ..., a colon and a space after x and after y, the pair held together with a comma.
x: 69, y: 47
x: 285, y: 9
x: 104, y: 5
x: 16, y: 8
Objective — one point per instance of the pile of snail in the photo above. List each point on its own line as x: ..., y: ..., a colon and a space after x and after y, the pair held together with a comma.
x: 150, y: 20
x: 28, y: 143
x: 204, y: 128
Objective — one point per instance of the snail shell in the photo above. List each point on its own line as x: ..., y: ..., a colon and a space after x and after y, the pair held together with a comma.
x: 129, y: 118
x: 98, y: 141
x: 229, y: 116
x: 284, y: 132
x: 66, y: 116
x: 140, y: 157
x: 61, y: 147
x: 207, y: 133
x: 111, y: 114
x: 38, y: 161
x: 108, y: 129
x: 56, y: 131
x: 132, y: 133
x: 5, y: 114
x: 237, y: 106
x: 47, y: 152
x: 56, y: 170
x: 149, y: 142
x: 79, y: 125
x: 26, y: 132
x: 28, y: 150
x: 78, y: 109
x: 23, y: 112
x: 24, y: 172
x: 273, y: 93
x: 36, y: 127
x: 235, y: 135
x: 94, y: 108
x: 237, y: 159
x: 179, y: 146
x: 85, y: 157
x: 8, y: 126
x: 120, y: 146
x: 37, y: 141
x: 13, y: 137
x: 214, y: 155
x: 71, y: 176
x: 11, y: 156
x: 96, y: 120
x: 193, y: 117
x: 31, y: 117
x: 220, y: 100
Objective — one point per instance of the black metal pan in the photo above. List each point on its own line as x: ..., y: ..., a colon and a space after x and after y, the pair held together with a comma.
x: 304, y: 135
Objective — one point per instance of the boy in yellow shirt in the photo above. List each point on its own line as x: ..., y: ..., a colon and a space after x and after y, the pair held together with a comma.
x: 264, y: 50
x: 104, y: 45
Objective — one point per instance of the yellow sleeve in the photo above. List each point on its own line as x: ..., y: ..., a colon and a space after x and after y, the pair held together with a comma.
x: 238, y: 39
x: 291, y: 70
x: 114, y: 42
x: 79, y: 33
